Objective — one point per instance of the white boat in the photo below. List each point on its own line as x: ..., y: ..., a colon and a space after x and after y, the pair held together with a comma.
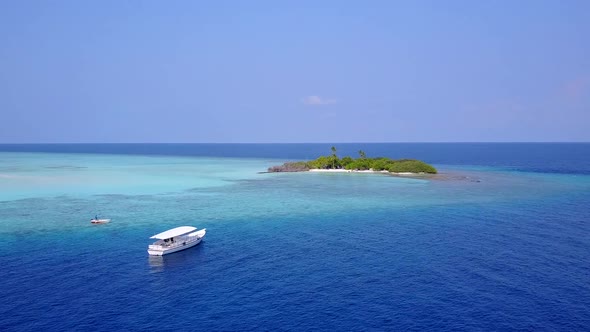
x: 100, y: 221
x: 176, y: 239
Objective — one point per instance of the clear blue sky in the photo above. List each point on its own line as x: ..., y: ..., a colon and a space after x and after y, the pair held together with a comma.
x: 294, y: 71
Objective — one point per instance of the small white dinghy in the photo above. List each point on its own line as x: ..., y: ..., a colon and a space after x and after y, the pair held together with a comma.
x: 99, y: 221
x: 176, y: 239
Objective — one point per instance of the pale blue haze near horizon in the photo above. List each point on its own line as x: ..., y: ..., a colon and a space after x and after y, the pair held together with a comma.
x: 294, y: 71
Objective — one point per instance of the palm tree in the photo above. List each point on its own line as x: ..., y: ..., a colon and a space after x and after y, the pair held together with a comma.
x: 362, y: 154
x: 334, y: 157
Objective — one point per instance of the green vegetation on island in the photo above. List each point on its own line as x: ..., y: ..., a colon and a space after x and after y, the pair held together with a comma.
x: 360, y: 164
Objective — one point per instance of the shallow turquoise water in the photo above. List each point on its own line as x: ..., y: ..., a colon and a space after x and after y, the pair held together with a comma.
x: 477, y: 248
x: 64, y: 191
x: 27, y: 175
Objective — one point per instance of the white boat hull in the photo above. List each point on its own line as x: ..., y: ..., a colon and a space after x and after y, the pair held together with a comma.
x: 100, y: 221
x: 180, y: 243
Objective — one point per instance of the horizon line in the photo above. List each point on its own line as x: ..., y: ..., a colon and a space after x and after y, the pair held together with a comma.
x: 399, y: 142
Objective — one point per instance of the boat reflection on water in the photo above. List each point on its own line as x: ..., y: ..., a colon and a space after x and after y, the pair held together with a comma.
x: 180, y: 260
x: 156, y: 263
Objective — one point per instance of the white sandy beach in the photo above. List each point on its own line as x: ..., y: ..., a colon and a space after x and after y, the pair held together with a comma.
x: 357, y: 171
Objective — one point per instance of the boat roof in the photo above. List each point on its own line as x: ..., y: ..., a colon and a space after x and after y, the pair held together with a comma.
x: 174, y: 232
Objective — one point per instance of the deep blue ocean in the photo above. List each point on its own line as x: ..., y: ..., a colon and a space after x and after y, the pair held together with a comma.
x: 499, y: 240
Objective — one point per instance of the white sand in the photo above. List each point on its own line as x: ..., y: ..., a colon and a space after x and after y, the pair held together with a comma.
x: 330, y: 170
x: 355, y: 171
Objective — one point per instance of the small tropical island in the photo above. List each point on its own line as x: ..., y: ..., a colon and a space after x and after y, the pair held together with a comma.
x: 361, y: 164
